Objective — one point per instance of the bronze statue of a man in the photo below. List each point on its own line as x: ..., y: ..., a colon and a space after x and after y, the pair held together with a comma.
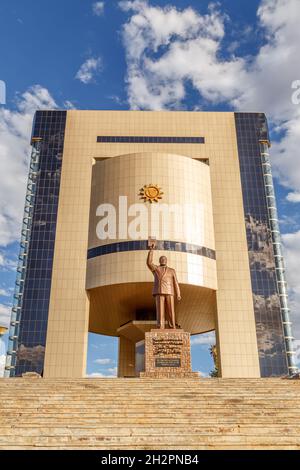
x: 164, y: 289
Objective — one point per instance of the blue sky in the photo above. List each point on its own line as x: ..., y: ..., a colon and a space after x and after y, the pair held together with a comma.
x: 46, y: 43
x: 124, y: 55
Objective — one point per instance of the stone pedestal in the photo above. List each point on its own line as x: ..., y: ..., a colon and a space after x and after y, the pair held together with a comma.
x: 31, y: 375
x: 167, y: 354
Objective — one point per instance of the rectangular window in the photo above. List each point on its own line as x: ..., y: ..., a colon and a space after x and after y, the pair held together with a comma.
x: 147, y: 140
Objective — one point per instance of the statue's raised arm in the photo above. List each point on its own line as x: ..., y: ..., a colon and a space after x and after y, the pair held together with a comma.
x: 150, y: 263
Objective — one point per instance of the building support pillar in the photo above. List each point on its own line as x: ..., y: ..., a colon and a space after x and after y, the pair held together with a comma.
x: 126, y: 361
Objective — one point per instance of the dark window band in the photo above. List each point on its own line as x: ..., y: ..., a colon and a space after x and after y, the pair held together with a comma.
x: 135, y: 245
x: 150, y: 140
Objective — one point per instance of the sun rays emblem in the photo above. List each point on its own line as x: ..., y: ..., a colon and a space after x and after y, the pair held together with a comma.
x: 151, y: 193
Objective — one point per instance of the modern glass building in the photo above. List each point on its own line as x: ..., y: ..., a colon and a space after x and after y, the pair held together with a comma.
x: 226, y: 251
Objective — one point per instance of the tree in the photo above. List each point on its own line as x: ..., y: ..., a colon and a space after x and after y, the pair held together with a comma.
x: 214, y: 353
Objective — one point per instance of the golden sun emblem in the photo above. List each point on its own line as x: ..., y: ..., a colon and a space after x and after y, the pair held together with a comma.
x: 150, y: 193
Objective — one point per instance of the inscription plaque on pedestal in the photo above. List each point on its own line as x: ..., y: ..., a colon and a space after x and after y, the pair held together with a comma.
x: 167, y: 362
x: 167, y: 354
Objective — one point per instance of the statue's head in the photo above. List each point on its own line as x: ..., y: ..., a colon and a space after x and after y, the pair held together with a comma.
x: 163, y: 261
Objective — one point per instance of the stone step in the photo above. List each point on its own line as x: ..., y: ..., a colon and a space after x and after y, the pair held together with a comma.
x: 33, y: 384
x: 172, y: 401
x: 140, y: 413
x: 152, y: 413
x: 132, y: 447
x: 68, y: 420
x: 143, y: 390
x: 135, y: 401
x: 150, y: 431
x: 173, y: 398
x: 141, y: 394
x: 147, y: 395
x: 151, y: 441
x: 43, y: 383
x: 171, y: 411
x: 102, y: 396
x: 145, y: 382
x: 81, y: 411
x: 115, y: 418
x: 34, y: 404
x: 130, y: 407
x: 114, y: 382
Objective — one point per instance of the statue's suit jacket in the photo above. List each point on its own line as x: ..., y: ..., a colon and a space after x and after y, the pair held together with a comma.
x: 165, y: 280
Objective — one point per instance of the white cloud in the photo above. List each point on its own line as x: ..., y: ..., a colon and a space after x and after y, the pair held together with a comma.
x: 15, y: 130
x: 203, y: 374
x: 2, y: 364
x: 293, y: 197
x: 204, y: 339
x: 117, y: 99
x: 98, y: 8
x: 4, y: 315
x: 69, y: 105
x: 268, y: 86
x: 190, y: 45
x: 99, y: 374
x: 2, y: 356
x: 272, y: 71
x: 6, y: 264
x: 104, y: 361
x: 5, y: 292
x: 297, y: 352
x: 168, y: 48
x: 290, y: 222
x: 89, y: 69
x: 285, y: 154
x: 291, y: 245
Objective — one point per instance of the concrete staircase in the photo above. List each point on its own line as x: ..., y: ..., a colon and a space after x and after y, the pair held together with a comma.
x: 149, y: 414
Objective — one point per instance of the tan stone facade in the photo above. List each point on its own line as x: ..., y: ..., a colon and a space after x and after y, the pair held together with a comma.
x: 77, y: 303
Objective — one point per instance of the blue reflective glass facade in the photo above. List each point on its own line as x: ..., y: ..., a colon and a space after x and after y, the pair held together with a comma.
x: 50, y: 126
x: 251, y: 128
